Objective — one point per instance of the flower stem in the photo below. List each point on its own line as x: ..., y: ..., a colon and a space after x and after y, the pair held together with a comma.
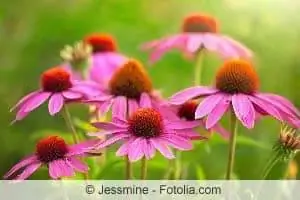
x: 177, y: 165
x: 232, y: 146
x: 198, y: 68
x: 70, y: 124
x: 272, y: 162
x: 128, y: 174
x: 143, y: 168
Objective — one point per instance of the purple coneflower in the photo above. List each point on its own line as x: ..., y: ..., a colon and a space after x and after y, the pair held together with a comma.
x: 57, y: 86
x: 199, y: 31
x: 105, y: 59
x: 53, y: 152
x: 144, y: 132
x: 128, y: 87
x: 236, y: 87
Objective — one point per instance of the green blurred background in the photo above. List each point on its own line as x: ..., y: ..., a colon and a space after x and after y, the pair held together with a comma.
x: 33, y: 32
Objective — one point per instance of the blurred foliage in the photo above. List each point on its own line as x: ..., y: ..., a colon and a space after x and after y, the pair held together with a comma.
x: 33, y: 32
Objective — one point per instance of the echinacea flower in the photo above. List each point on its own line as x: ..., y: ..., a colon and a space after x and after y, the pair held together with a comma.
x: 144, y: 132
x: 105, y: 59
x: 128, y: 87
x: 187, y: 111
x: 236, y: 89
x: 57, y: 86
x: 53, y: 152
x: 199, y: 31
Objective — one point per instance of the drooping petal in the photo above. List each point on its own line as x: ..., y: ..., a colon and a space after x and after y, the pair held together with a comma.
x: 135, y: 150
x: 132, y: 106
x: 244, y: 110
x: 77, y: 165
x: 25, y: 99
x: 208, y: 104
x: 162, y: 148
x: 145, y: 101
x: 21, y: 114
x: 23, y: 163
x: 82, y: 147
x: 72, y: 95
x: 36, y: 101
x: 56, y: 103
x: 239, y: 49
x: 190, y: 93
x: 222, y: 131
x: 28, y: 171
x: 119, y: 107
x: 265, y: 107
x: 148, y: 148
x: 54, y: 170
x: 194, y: 42
x: 190, y: 134
x: 110, y: 126
x: 177, y: 142
x: 216, y: 114
x: 112, y: 140
x: 65, y: 168
x: 180, y: 124
x: 123, y: 150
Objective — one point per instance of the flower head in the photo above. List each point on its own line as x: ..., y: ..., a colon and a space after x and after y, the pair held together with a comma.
x: 53, y: 152
x: 57, y: 86
x: 105, y: 59
x: 128, y: 87
x: 288, y: 143
x: 199, y: 31
x: 144, y: 132
x: 237, y: 89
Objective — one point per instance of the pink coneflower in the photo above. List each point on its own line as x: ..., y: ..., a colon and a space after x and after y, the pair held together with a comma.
x: 237, y: 87
x: 57, y: 86
x: 53, y: 152
x: 199, y: 31
x: 187, y: 111
x: 105, y: 59
x: 128, y: 87
x: 144, y: 132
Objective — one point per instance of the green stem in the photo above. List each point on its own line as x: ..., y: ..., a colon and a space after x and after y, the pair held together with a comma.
x: 128, y: 168
x: 198, y: 68
x: 70, y: 124
x: 177, y: 165
x: 143, y: 168
x: 270, y: 167
x: 232, y: 146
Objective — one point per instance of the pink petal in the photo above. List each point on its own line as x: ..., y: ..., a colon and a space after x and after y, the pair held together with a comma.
x: 215, y: 115
x: 72, y: 95
x: 240, y: 50
x: 56, y: 103
x: 181, y: 124
x: 28, y: 171
x: 135, y: 150
x: 190, y: 134
x: 208, y: 104
x: 54, y: 170
x: 65, y: 168
x: 77, y: 165
x: 36, y: 101
x: 244, y: 110
x: 148, y: 149
x: 25, y: 99
x: 112, y: 140
x: 177, y: 141
x: 194, y: 42
x: 222, y: 131
x: 82, y: 147
x: 110, y: 126
x: 123, y: 150
x: 162, y: 148
x: 132, y: 106
x: 211, y: 42
x: 21, y: 114
x: 266, y: 107
x: 190, y: 93
x: 119, y: 107
x: 145, y: 101
x: 23, y: 163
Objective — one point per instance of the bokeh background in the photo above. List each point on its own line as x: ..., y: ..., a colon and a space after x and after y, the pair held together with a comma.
x: 33, y: 32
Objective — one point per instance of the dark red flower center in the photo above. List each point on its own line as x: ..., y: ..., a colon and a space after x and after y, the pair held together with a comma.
x: 51, y: 148
x: 130, y: 80
x: 187, y: 110
x: 237, y: 76
x: 146, y: 122
x: 101, y: 43
x: 200, y: 23
x: 56, y: 79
